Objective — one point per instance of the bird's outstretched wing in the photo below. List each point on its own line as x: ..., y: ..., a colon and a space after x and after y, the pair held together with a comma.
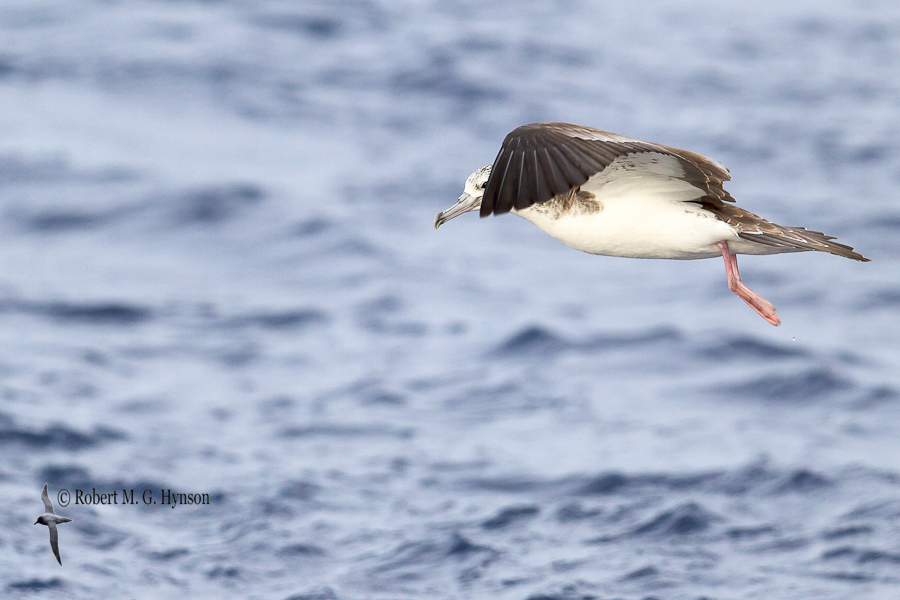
x: 48, y: 506
x: 54, y: 541
x: 542, y: 160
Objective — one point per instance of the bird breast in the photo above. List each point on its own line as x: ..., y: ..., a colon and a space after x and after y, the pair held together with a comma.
x: 635, y: 217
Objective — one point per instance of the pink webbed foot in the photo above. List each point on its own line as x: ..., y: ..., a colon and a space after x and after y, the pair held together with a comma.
x: 762, y: 306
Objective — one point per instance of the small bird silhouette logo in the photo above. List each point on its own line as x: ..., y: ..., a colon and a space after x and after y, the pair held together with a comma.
x: 51, y: 520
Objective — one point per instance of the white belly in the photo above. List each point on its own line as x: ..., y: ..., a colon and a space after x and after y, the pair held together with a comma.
x: 640, y: 217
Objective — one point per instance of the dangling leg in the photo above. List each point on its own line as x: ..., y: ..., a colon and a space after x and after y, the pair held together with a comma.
x: 756, y: 302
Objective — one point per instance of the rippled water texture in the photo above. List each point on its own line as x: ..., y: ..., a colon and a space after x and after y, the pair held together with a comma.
x: 218, y: 274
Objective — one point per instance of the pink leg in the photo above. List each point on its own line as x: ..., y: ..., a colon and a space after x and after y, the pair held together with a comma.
x: 756, y: 302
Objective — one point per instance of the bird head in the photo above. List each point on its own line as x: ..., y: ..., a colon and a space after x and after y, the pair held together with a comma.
x: 470, y: 198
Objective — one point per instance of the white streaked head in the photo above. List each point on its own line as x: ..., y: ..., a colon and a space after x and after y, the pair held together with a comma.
x: 470, y: 199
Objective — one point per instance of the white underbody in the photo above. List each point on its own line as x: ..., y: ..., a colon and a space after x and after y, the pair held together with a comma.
x: 646, y: 213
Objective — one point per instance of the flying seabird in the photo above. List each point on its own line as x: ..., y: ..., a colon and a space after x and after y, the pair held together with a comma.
x: 50, y: 519
x: 604, y: 193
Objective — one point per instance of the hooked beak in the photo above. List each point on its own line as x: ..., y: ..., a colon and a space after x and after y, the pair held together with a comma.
x: 464, y: 204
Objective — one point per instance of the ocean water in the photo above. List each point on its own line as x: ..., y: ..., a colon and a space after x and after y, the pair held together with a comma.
x: 219, y: 275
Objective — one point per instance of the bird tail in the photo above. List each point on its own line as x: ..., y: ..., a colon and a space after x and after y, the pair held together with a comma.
x: 802, y: 239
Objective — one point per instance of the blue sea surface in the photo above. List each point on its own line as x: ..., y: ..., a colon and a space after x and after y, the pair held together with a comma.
x: 219, y: 275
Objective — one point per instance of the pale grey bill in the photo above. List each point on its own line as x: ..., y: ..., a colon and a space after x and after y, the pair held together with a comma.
x: 465, y: 203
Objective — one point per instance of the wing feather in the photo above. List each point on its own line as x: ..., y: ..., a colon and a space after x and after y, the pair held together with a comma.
x: 570, y: 175
x: 555, y: 177
x: 541, y: 185
x: 522, y: 179
x: 509, y: 190
x: 497, y: 181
